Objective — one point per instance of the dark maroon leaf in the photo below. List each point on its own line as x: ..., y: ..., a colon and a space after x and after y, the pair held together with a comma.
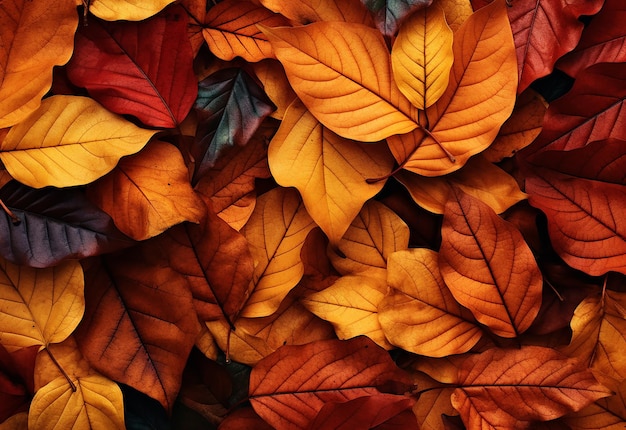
x: 389, y: 14
x: 54, y: 225
x: 232, y: 106
x: 16, y: 380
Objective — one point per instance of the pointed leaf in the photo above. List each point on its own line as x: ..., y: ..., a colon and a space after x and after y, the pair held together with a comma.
x: 142, y: 68
x: 55, y: 225
x: 507, y: 388
x: 231, y: 30
x: 35, y: 37
x: 389, y: 14
x: 275, y: 232
x: 233, y: 106
x: 308, y: 11
x: 329, y: 171
x: 351, y: 305
x: 69, y: 141
x: 137, y: 327
x: 488, y: 266
x: 373, y: 235
x: 422, y: 56
x: 420, y: 314
x: 39, y: 306
x: 608, y: 413
x: 130, y: 10
x: 156, y: 190
x: 289, y: 387
x: 342, y: 73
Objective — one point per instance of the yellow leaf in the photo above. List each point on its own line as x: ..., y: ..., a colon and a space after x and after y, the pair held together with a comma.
x: 478, y: 178
x: 351, y: 305
x: 69, y: 141
x: 479, y: 98
x: 39, y: 306
x: 373, y: 235
x: 422, y: 56
x: 275, y: 232
x: 206, y: 343
x: 308, y: 11
x: 129, y: 10
x: 35, y: 36
x: 420, y: 314
x: 328, y: 170
x: 156, y: 192
x: 342, y: 73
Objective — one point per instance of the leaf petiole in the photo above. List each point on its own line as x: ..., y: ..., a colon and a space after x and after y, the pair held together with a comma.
x: 63, y: 372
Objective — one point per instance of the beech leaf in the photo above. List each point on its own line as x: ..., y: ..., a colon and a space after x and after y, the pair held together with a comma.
x: 35, y: 37
x: 289, y: 387
x: 329, y: 171
x: 342, y: 73
x: 488, y: 266
x: 502, y: 388
x: 130, y: 10
x: 69, y: 141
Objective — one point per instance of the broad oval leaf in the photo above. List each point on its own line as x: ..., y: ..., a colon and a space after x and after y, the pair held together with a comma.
x: 69, y: 141
x: 156, y: 192
x: 351, y: 305
x: 329, y: 171
x: 528, y: 384
x: 372, y: 237
x: 275, y: 232
x: 35, y: 37
x: 129, y: 10
x: 480, y: 96
x: 342, y: 73
x: 488, y: 266
x: 422, y: 56
x: 39, y: 306
x: 230, y: 30
x: 420, y: 314
x: 54, y: 225
x: 290, y: 386
x: 96, y: 404
x: 308, y: 11
x: 389, y: 14
x: 144, y: 69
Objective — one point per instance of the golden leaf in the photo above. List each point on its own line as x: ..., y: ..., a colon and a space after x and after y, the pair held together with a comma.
x: 276, y: 86
x: 457, y: 12
x: 69, y: 141
x: 129, y: 10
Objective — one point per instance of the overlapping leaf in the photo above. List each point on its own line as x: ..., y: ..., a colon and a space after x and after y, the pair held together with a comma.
x: 308, y: 11
x: 389, y: 14
x: 488, y: 266
x: 16, y: 380
x: 130, y: 10
x: 35, y: 37
x: 289, y: 387
x: 142, y: 68
x: 69, y: 141
x: 329, y: 171
x: 608, y: 413
x: 342, y: 73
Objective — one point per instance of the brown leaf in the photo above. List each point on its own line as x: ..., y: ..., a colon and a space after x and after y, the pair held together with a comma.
x: 308, y: 11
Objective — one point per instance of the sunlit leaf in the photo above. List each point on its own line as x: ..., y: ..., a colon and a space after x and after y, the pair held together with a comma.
x: 69, y: 141
x: 131, y: 10
x: 34, y: 37
x: 329, y: 171
x: 488, y: 266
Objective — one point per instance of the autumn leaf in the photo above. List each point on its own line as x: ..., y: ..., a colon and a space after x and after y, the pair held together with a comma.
x: 69, y: 141
x: 606, y: 413
x: 275, y: 84
x: 507, y: 388
x: 308, y: 11
x: 422, y: 56
x: 289, y: 387
x: 348, y: 88
x: 329, y: 171
x: 488, y: 266
x: 156, y: 190
x: 457, y: 11
x: 130, y: 10
x: 35, y: 37
x: 420, y: 314
x: 389, y: 14
x: 230, y: 30
x: 141, y: 68
x: 16, y: 380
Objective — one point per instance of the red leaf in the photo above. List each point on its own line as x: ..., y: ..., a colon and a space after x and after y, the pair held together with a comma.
x: 138, y: 68
x: 16, y: 380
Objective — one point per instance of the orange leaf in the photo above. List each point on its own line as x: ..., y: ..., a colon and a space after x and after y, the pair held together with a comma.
x: 479, y: 98
x: 149, y: 192
x: 342, y: 73
x: 373, y: 235
x: 36, y: 36
x: 275, y: 232
x: 420, y: 314
x: 308, y: 11
x: 608, y: 413
x: 289, y: 387
x: 275, y: 84
x: 328, y: 170
x: 488, y: 266
x: 508, y: 388
x: 231, y: 30
x: 457, y: 12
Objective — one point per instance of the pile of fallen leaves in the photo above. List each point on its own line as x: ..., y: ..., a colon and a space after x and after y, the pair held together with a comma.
x: 312, y: 214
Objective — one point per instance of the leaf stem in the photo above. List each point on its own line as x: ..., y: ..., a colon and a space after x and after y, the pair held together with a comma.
x: 14, y: 219
x: 56, y: 363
